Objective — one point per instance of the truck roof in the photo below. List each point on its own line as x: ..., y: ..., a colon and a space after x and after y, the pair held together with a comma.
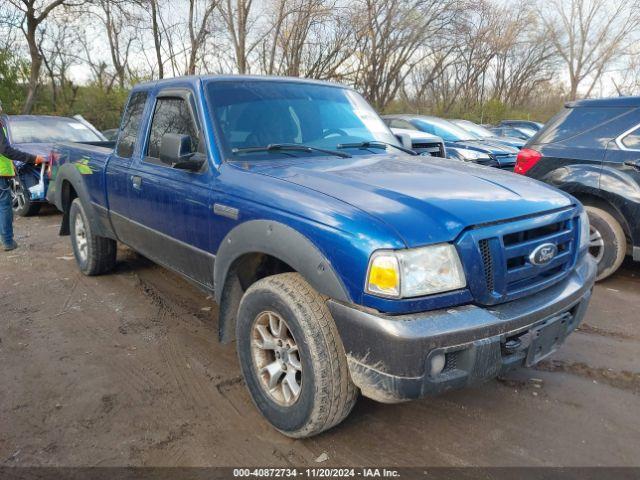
x: 195, y: 79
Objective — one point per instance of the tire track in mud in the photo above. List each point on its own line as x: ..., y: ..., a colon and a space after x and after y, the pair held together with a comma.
x: 593, y: 330
x: 191, y: 375
x: 623, y: 380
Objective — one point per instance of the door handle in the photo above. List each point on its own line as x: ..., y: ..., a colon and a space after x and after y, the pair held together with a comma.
x: 136, y: 182
x: 633, y: 163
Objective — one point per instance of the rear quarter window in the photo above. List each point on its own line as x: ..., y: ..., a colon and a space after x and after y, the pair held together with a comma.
x: 572, y: 123
x: 131, y: 121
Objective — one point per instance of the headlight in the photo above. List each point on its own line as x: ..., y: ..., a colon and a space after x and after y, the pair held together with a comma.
x: 471, y: 155
x: 415, y: 272
x: 585, y: 231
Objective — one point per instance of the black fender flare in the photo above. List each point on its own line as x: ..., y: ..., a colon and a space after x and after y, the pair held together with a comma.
x: 581, y: 182
x: 69, y: 173
x: 578, y: 177
x: 285, y: 243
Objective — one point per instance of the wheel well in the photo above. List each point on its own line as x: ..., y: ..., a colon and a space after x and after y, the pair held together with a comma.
x: 67, y: 196
x: 599, y: 202
x: 244, y: 272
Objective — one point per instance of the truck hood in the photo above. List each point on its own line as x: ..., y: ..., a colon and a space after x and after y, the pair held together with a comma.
x: 424, y: 199
x: 43, y: 149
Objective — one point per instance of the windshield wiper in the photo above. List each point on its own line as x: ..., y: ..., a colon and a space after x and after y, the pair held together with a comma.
x: 275, y: 147
x: 375, y: 144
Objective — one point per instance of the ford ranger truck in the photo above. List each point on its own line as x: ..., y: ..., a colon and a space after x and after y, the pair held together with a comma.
x: 341, y: 262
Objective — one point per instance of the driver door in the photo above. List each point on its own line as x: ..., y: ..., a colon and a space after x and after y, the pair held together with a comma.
x: 170, y: 209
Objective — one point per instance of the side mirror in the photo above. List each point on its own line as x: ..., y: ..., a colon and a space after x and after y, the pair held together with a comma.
x: 175, y: 150
x: 405, y: 140
x: 174, y: 147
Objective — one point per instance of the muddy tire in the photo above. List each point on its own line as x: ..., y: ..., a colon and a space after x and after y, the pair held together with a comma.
x: 285, y: 332
x: 608, y: 243
x: 95, y: 255
x: 21, y: 199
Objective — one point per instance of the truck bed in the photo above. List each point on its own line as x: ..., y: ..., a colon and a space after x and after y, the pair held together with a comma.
x: 89, y: 160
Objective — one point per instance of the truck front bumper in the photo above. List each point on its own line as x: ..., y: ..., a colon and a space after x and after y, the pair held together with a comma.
x: 397, y: 358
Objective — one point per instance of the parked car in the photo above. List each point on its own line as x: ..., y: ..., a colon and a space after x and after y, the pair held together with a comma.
x: 423, y: 143
x: 457, y: 140
x: 340, y: 263
x: 111, y: 134
x: 591, y: 149
x: 513, y: 132
x: 486, y: 134
x: 89, y: 125
x: 528, y: 124
x: 36, y: 134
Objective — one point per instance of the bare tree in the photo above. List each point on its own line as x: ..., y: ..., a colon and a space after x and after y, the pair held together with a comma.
x: 57, y: 43
x: 154, y: 11
x: 590, y: 35
x: 198, y: 24
x: 120, y: 22
x: 525, y: 56
x: 239, y: 22
x: 393, y: 36
x: 35, y: 12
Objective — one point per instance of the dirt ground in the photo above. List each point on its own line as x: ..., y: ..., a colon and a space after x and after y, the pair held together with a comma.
x: 125, y: 369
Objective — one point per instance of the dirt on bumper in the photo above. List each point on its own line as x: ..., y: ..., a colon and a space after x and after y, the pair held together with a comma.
x: 398, y: 358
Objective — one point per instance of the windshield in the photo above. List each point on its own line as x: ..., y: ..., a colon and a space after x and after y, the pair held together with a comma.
x: 49, y: 130
x: 448, y: 131
x: 257, y: 113
x: 475, y: 129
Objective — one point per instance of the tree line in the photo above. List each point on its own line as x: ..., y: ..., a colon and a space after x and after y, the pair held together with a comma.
x: 479, y: 59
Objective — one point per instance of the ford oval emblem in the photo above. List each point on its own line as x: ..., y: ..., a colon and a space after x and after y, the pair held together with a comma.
x: 543, y: 254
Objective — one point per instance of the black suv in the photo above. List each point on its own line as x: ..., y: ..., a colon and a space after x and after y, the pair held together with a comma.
x: 591, y: 149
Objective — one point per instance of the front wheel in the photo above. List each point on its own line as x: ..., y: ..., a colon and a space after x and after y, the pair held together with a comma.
x: 21, y: 199
x: 607, y: 241
x: 95, y: 255
x: 292, y: 358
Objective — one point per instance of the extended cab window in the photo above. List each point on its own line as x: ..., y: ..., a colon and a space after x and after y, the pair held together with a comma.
x: 131, y: 124
x: 172, y: 115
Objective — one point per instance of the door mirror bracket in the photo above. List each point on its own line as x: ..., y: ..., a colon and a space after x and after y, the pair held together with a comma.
x: 175, y: 151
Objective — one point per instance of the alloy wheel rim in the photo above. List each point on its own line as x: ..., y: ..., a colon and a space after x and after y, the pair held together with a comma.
x: 596, y: 244
x: 18, y: 199
x: 276, y: 358
x: 81, y: 238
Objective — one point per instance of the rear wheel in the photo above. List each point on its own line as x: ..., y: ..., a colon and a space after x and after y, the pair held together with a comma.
x: 607, y: 241
x: 95, y: 255
x: 292, y: 358
x: 21, y: 200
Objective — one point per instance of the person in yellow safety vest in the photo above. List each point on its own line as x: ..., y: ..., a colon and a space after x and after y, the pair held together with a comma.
x: 7, y: 171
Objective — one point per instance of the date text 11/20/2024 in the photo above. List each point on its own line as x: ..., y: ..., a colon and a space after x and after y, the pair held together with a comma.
x: 316, y: 472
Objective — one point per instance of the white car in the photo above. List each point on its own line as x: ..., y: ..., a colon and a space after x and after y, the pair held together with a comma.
x: 423, y: 143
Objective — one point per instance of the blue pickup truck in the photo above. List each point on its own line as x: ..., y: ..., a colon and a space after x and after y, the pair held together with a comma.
x: 341, y: 261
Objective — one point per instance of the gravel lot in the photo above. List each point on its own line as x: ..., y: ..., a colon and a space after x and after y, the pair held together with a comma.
x: 125, y: 369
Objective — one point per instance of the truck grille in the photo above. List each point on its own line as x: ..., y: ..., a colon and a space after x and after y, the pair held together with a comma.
x: 500, y: 254
x: 487, y: 263
x: 521, y: 274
